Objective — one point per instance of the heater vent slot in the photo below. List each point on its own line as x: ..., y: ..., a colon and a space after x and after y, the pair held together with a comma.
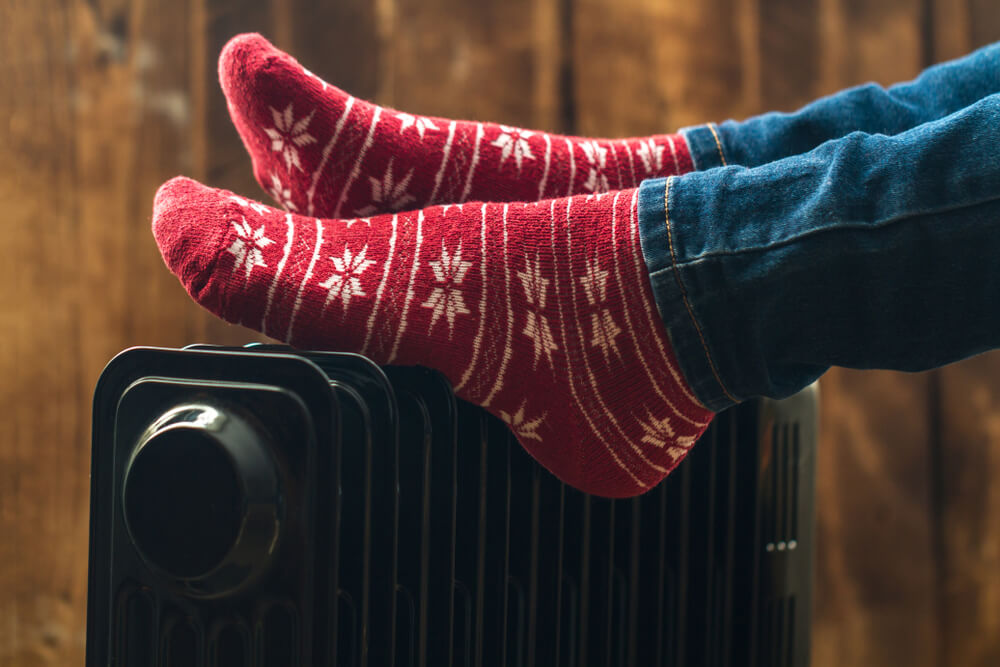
x: 278, y: 636
x: 229, y: 645
x: 782, y: 526
x: 778, y: 633
x: 136, y: 621
x: 182, y: 643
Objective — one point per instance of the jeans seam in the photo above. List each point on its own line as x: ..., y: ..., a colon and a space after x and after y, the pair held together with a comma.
x: 684, y: 295
x: 718, y: 144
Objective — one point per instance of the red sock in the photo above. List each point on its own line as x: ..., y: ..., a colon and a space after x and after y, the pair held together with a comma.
x: 320, y: 151
x: 542, y: 313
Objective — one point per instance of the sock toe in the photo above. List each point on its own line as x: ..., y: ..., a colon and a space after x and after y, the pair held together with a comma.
x: 240, y: 60
x: 279, y: 110
x: 190, y: 224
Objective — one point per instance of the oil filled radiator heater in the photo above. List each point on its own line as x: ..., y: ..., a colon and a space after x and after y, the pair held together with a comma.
x: 266, y: 507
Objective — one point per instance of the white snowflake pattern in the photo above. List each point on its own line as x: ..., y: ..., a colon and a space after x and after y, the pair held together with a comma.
x: 344, y: 282
x: 247, y: 246
x: 449, y: 270
x: 603, y: 326
x: 595, y: 282
x: 597, y: 155
x: 288, y: 135
x: 537, y: 325
x: 419, y: 122
x: 604, y: 330
x: 659, y: 433
x: 281, y: 194
x: 651, y: 155
x: 513, y: 141
x: 391, y: 195
x: 259, y: 208
x: 523, y: 428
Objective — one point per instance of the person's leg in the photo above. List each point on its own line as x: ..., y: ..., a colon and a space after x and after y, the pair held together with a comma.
x: 870, y: 251
x: 939, y: 91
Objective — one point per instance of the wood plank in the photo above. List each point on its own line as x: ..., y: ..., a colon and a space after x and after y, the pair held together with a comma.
x: 790, y: 53
x: 970, y: 512
x: 342, y: 42
x: 865, y: 41
x: 225, y: 163
x: 969, y: 436
x: 494, y: 60
x: 643, y: 67
x: 43, y: 462
x: 949, y: 29
x: 98, y: 117
x: 983, y: 22
x: 875, y: 575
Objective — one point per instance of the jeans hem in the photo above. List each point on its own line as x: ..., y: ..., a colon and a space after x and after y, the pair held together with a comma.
x: 705, y: 146
x: 671, y: 297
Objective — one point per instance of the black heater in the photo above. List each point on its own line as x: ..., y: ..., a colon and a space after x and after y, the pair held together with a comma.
x: 265, y: 507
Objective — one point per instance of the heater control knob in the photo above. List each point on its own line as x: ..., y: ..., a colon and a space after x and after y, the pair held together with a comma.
x: 201, y: 499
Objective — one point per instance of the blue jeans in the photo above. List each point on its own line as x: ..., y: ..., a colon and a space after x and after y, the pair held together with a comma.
x: 877, y: 249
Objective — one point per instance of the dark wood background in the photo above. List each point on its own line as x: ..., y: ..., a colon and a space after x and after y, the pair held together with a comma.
x: 103, y: 100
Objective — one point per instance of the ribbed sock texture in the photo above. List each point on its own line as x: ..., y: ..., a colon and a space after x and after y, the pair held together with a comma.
x: 540, y: 312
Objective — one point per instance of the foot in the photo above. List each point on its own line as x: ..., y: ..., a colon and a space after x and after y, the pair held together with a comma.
x: 320, y: 151
x: 542, y: 313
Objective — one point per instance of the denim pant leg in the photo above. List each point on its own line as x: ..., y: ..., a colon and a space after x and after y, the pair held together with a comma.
x: 871, y: 251
x: 937, y: 92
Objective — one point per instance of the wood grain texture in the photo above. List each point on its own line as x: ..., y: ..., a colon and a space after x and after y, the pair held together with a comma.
x: 970, y: 510
x: 486, y: 60
x: 43, y: 463
x: 875, y: 601
x: 643, y: 66
x: 95, y: 99
x: 103, y: 100
x: 968, y: 458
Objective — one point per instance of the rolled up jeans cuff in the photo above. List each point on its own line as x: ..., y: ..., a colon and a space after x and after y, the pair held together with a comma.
x: 705, y: 145
x: 672, y: 299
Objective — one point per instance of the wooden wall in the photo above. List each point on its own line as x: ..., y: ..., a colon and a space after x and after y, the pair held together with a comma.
x: 102, y: 100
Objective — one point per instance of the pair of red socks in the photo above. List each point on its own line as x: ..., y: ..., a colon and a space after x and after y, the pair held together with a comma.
x: 505, y: 258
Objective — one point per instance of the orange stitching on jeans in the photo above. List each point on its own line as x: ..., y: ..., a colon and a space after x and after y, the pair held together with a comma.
x: 718, y: 144
x: 687, y: 304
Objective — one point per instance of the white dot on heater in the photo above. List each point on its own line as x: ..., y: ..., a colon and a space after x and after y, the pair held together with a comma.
x: 769, y: 547
x: 792, y: 544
